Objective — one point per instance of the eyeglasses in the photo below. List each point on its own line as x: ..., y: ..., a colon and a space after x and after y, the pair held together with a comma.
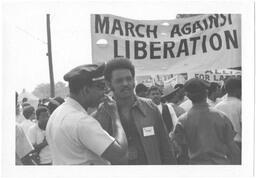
x: 100, y: 85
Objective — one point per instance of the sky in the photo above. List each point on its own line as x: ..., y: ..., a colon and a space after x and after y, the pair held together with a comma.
x: 25, y: 38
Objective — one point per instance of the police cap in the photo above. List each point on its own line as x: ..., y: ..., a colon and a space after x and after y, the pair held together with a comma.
x: 86, y: 73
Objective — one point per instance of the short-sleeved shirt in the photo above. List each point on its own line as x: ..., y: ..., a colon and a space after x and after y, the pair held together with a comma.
x: 23, y: 145
x: 232, y: 107
x: 75, y: 137
x: 36, y: 136
x: 206, y: 132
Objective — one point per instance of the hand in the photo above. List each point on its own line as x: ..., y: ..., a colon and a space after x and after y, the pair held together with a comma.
x: 45, y: 141
x: 109, y: 105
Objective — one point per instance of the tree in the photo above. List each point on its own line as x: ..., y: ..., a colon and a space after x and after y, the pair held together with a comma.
x: 43, y: 90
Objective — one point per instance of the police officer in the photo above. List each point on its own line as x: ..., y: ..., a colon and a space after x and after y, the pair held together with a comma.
x: 74, y: 136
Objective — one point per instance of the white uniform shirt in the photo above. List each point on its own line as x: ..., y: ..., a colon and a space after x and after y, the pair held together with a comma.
x: 172, y: 113
x: 36, y: 136
x: 232, y: 107
x: 75, y: 137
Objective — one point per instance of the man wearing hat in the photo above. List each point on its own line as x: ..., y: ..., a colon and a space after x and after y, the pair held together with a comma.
x: 207, y: 133
x: 73, y: 135
x: 174, y: 96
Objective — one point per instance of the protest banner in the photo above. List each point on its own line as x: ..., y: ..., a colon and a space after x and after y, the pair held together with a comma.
x: 217, y: 76
x: 147, y: 80
x: 192, y: 44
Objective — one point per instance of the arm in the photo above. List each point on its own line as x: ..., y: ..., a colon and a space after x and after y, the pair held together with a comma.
x: 32, y: 138
x: 23, y: 147
x: 173, y: 115
x: 117, y: 152
x: 234, y: 151
x: 95, y: 138
x: 180, y: 143
x: 39, y: 147
x: 166, y: 149
x: 103, y: 118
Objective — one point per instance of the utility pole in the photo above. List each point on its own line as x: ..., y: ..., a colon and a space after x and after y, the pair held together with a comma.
x: 49, y: 54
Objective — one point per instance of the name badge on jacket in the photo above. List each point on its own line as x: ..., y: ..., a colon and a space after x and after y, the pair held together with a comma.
x: 148, y: 131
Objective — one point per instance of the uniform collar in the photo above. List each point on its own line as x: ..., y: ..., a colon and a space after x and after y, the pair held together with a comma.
x: 75, y: 104
x: 139, y: 104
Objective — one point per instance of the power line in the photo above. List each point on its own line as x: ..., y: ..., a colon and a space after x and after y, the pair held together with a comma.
x: 30, y: 34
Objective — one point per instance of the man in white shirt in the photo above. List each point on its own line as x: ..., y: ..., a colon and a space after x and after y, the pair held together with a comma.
x: 37, y: 137
x: 232, y: 106
x: 73, y: 135
x: 167, y: 111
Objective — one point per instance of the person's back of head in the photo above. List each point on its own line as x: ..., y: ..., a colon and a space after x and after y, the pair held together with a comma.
x: 59, y: 99
x: 233, y: 87
x: 28, y: 112
x: 196, y: 90
x: 214, y: 91
x: 52, y: 105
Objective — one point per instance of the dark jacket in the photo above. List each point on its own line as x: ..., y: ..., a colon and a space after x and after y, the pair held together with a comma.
x: 157, y: 147
x: 206, y: 132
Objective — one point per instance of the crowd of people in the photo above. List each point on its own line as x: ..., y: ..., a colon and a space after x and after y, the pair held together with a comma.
x: 195, y: 123
x: 31, y: 144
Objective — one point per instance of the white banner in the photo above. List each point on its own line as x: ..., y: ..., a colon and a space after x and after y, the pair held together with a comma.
x: 169, y: 46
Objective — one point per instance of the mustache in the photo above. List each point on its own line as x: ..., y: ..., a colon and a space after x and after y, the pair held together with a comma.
x: 125, y: 88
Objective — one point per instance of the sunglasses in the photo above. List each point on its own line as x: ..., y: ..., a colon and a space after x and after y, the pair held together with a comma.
x: 100, y: 85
